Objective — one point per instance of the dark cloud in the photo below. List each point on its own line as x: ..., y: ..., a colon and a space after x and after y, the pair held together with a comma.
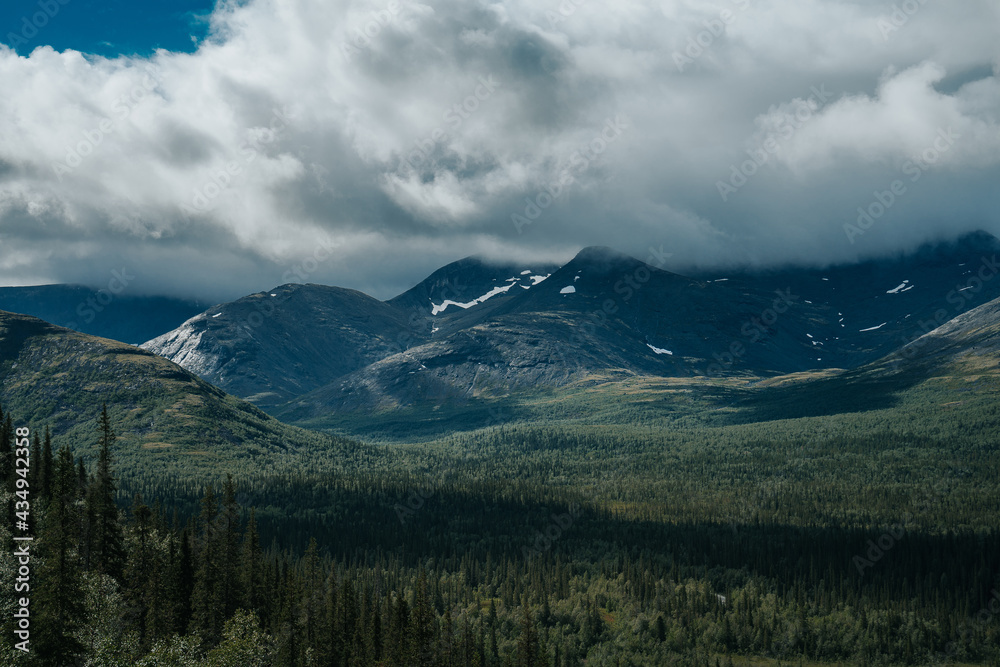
x: 403, y: 136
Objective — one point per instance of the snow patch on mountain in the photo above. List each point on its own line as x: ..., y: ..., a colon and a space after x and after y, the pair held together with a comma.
x: 437, y: 309
x: 569, y: 289
x: 873, y: 328
x: 904, y: 287
x: 659, y: 350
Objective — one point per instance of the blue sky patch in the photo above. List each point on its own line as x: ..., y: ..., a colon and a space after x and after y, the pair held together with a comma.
x: 108, y: 28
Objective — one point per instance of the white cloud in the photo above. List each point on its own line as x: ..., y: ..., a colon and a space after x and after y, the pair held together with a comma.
x: 222, y: 168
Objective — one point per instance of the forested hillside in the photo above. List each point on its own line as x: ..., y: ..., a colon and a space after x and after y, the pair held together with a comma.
x: 852, y: 538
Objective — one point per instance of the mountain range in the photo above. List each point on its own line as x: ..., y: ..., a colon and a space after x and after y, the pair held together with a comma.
x: 627, y: 336
x: 474, y: 330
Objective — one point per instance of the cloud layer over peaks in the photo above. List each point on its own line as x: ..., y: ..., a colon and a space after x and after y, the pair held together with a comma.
x: 371, y: 142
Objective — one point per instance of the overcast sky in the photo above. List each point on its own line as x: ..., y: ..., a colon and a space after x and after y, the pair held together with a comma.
x: 402, y: 136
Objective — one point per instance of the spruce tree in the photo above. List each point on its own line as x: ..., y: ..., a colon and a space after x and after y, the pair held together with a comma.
x: 6, y: 449
x: 313, y: 593
x: 229, y: 520
x: 208, y: 599
x: 45, y: 465
x: 59, y: 601
x: 140, y: 567
x: 527, y: 643
x: 182, y: 583
x: 422, y: 619
x: 332, y: 644
x: 105, y: 550
x: 251, y: 570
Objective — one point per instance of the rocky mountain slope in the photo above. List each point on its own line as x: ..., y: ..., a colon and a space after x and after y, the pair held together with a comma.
x: 53, y: 376
x: 476, y: 330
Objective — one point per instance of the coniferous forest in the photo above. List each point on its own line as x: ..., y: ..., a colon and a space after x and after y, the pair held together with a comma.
x: 615, y: 545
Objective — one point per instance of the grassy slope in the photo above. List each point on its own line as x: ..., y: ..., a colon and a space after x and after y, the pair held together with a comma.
x: 168, y: 420
x: 810, y: 449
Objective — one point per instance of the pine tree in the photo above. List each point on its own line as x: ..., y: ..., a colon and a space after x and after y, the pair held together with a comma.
x: 82, y: 481
x: 481, y: 644
x: 660, y: 629
x: 348, y: 621
x: 422, y: 619
x: 230, y: 545
x: 287, y: 636
x: 332, y: 647
x: 45, y: 465
x: 182, y: 583
x: 313, y: 594
x: 6, y: 449
x: 374, y: 635
x: 494, y: 654
x: 252, y: 569
x: 207, y: 598
x: 60, y: 580
x: 105, y: 550
x: 447, y: 643
x: 398, y: 649
x: 141, y: 568
x: 527, y: 643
